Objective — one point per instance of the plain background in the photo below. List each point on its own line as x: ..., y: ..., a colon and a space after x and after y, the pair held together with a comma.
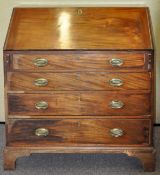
x: 6, y: 7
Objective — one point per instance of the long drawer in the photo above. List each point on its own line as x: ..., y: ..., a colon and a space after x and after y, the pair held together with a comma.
x: 80, y: 103
x: 78, y: 81
x: 80, y: 61
x: 78, y: 132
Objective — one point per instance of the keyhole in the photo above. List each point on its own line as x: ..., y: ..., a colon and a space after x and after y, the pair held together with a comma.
x: 79, y: 12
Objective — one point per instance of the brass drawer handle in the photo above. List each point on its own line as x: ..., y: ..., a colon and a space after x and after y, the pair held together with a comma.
x: 116, y: 132
x: 116, y: 62
x: 40, y: 62
x: 41, y: 105
x: 40, y: 82
x: 116, y: 104
x: 116, y: 82
x: 41, y: 132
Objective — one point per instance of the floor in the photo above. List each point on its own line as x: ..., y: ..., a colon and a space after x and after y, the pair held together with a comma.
x: 78, y: 164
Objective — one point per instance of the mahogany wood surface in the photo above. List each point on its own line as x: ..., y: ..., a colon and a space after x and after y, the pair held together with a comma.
x: 145, y: 154
x: 78, y: 81
x: 79, y: 61
x: 78, y: 132
x: 77, y: 116
x: 78, y: 45
x: 148, y: 160
x: 80, y: 103
x: 79, y: 28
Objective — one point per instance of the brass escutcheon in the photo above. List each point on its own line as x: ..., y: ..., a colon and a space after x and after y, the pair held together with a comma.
x: 79, y: 12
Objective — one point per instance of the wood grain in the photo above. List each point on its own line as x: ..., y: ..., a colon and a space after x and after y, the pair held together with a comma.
x: 80, y: 103
x: 11, y: 155
x: 79, y: 61
x: 148, y: 160
x: 145, y: 154
x: 78, y: 81
x: 78, y: 44
x: 78, y: 131
x: 64, y: 28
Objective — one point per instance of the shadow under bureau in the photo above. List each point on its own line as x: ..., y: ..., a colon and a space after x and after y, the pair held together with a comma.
x: 79, y: 80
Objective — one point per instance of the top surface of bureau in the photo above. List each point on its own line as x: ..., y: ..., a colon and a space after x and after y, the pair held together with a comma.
x: 79, y: 29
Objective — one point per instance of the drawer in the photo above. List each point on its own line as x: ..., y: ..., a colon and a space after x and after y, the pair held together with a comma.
x: 79, y: 132
x: 78, y: 81
x: 80, y: 103
x: 80, y: 61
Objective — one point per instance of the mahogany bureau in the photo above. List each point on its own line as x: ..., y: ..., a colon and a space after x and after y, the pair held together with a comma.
x: 79, y: 80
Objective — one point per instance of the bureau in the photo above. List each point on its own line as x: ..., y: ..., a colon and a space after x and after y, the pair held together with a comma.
x: 79, y: 80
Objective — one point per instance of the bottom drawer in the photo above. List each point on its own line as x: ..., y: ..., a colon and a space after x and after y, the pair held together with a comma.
x: 79, y: 132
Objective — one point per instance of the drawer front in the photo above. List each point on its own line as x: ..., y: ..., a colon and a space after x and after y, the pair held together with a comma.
x: 80, y: 103
x: 76, y: 132
x: 78, y: 81
x: 64, y: 61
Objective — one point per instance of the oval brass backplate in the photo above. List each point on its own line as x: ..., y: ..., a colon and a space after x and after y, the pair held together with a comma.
x: 41, y: 82
x: 41, y: 105
x: 41, y: 132
x: 116, y: 82
x: 116, y: 132
x: 116, y: 62
x: 115, y: 104
x: 40, y: 62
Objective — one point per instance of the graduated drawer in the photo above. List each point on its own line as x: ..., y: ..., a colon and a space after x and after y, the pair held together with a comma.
x: 78, y: 81
x: 78, y: 132
x: 80, y: 103
x: 80, y: 61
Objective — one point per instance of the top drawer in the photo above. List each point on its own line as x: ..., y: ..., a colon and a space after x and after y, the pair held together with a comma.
x: 79, y: 61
